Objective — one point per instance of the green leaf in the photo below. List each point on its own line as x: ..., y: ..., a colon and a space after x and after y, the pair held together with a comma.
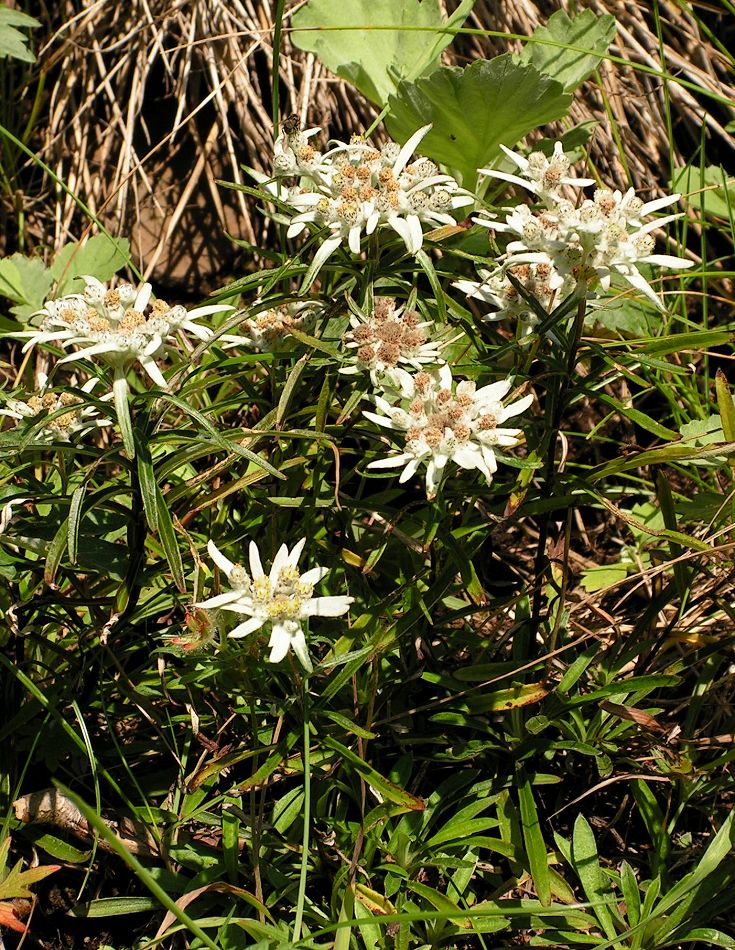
x: 376, y: 43
x: 115, y: 907
x: 12, y: 42
x: 474, y: 110
x: 602, y: 576
x: 101, y: 256
x: 374, y: 779
x: 710, y: 189
x: 704, y: 431
x: 26, y: 282
x: 715, y: 938
x: 533, y: 839
x: 587, y: 865
x: 169, y: 542
x: 569, y: 48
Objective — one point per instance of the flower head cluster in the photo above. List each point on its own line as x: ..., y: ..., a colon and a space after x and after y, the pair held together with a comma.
x: 584, y: 243
x: 446, y: 421
x: 121, y: 325
x: 267, y: 331
x: 59, y: 416
x: 280, y: 600
x: 540, y: 280
x: 388, y: 337
x: 544, y: 177
x: 355, y: 187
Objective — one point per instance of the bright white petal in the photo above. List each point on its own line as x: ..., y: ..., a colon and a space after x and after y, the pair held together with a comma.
x: 314, y: 575
x: 279, y: 643
x: 293, y: 558
x: 326, y: 606
x: 222, y: 562
x: 256, y: 568
x: 298, y: 642
x: 248, y: 626
x: 408, y: 149
x: 220, y: 600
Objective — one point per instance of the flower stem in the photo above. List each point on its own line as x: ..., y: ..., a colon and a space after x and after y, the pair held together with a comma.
x: 307, y: 815
x: 121, y: 391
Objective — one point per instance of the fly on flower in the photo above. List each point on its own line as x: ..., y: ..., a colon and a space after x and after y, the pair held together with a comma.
x: 280, y: 601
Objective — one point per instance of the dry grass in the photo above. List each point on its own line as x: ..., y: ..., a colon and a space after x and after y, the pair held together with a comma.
x: 151, y: 101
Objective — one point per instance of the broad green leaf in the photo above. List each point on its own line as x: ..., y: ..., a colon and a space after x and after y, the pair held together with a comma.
x: 12, y: 42
x: 704, y: 431
x: 26, y: 282
x: 605, y: 575
x: 710, y: 189
x: 101, y: 256
x: 474, y: 110
x: 569, y: 48
x: 587, y: 865
x: 16, y: 882
x: 376, y: 43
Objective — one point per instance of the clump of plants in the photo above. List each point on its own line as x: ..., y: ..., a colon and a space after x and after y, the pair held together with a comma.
x: 337, y: 615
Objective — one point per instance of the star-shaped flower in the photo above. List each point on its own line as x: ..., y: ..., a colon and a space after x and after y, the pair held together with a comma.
x: 446, y: 422
x: 280, y: 600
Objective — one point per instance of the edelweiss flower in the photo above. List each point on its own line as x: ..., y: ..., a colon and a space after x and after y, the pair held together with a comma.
x: 445, y: 422
x: 113, y: 324
x: 266, y: 331
x: 64, y: 414
x: 356, y: 188
x: 591, y: 242
x: 541, y: 280
x: 281, y: 599
x: 543, y: 176
x: 387, y: 337
x: 119, y: 326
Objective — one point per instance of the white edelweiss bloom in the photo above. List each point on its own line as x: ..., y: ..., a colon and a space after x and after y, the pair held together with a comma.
x: 389, y: 337
x: 280, y: 600
x: 294, y: 155
x: 544, y: 177
x: 356, y: 188
x: 120, y: 325
x: 540, y: 278
x: 269, y: 330
x: 61, y: 415
x: 601, y: 237
x: 445, y: 421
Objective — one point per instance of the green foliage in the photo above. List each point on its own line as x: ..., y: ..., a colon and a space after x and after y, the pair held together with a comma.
x: 474, y: 110
x: 569, y: 49
x: 708, y: 188
x: 25, y: 281
x: 520, y: 732
x: 375, y: 44
x: 13, y: 43
x: 28, y: 282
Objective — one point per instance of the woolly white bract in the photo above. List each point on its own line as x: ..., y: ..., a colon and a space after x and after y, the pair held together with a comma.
x: 575, y: 243
x: 280, y: 600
